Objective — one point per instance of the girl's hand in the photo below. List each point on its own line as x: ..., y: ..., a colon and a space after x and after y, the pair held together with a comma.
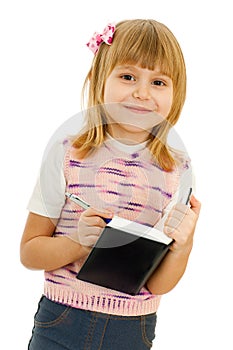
x: 180, y: 225
x: 90, y: 225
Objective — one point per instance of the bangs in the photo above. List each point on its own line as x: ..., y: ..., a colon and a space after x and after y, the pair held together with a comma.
x: 143, y: 44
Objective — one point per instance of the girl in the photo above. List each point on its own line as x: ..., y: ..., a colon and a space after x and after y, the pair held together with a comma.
x: 120, y: 164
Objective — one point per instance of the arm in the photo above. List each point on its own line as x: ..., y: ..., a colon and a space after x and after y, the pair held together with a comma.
x: 40, y: 250
x: 180, y: 225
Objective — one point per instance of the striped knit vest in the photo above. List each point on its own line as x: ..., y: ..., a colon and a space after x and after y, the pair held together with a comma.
x: 133, y: 186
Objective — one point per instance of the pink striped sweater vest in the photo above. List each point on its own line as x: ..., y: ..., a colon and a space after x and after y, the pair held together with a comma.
x: 133, y: 186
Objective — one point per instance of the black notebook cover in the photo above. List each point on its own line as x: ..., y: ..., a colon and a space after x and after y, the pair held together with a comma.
x: 123, y: 259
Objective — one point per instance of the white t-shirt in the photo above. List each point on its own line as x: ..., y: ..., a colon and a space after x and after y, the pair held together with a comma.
x: 48, y: 196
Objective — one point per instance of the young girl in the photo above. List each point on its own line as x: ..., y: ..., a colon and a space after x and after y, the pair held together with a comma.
x: 120, y: 164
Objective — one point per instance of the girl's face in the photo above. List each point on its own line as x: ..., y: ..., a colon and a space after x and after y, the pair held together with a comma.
x: 136, y: 99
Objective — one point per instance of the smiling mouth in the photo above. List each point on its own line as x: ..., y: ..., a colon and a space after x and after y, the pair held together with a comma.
x: 138, y: 109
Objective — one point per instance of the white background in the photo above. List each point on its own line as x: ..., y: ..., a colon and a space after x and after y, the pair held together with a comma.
x: 43, y: 63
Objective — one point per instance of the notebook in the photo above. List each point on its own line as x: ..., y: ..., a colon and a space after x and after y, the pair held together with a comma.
x: 125, y: 256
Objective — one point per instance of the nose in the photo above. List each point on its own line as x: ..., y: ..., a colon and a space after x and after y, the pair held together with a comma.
x: 141, y: 92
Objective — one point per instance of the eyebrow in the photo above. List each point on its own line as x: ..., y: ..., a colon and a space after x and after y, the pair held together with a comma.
x: 135, y: 67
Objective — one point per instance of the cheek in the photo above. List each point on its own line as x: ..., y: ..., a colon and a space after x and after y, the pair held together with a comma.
x: 106, y: 91
x: 109, y: 97
x: 109, y: 93
x: 114, y: 92
x: 106, y: 94
x: 167, y: 104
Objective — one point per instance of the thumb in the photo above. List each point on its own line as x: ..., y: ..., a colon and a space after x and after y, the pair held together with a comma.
x: 195, y: 205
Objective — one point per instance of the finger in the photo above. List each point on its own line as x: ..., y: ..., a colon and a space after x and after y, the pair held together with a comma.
x: 105, y: 214
x: 90, y: 231
x: 195, y: 205
x: 168, y: 230
x: 172, y: 224
x: 180, y: 208
x: 178, y: 212
x: 90, y: 236
x: 94, y: 221
x: 92, y: 212
x: 90, y: 240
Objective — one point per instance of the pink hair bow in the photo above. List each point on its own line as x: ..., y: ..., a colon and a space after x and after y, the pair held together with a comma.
x: 97, y: 39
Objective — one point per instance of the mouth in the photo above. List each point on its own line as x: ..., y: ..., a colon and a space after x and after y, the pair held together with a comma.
x: 137, y: 109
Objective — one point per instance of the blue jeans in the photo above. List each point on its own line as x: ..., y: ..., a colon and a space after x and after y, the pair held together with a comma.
x: 60, y: 327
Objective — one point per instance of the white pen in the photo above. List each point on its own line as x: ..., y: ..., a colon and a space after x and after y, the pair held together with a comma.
x: 74, y: 198
x: 77, y: 200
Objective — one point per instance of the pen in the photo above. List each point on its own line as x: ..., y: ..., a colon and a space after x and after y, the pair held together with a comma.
x: 74, y: 198
x: 189, y: 195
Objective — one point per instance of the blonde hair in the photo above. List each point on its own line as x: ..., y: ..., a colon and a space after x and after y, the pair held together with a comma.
x: 148, y: 44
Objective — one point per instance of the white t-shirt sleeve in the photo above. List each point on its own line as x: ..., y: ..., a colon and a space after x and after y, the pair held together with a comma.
x: 48, y: 196
x: 187, y: 182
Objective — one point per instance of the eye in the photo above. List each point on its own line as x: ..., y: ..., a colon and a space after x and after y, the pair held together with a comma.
x: 158, y: 83
x: 128, y: 77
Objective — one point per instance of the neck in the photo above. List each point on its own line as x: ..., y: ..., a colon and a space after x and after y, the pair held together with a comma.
x: 129, y: 138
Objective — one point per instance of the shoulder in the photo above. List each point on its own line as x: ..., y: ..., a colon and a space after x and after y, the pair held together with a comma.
x: 184, y: 172
x: 55, y: 150
x: 182, y: 159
